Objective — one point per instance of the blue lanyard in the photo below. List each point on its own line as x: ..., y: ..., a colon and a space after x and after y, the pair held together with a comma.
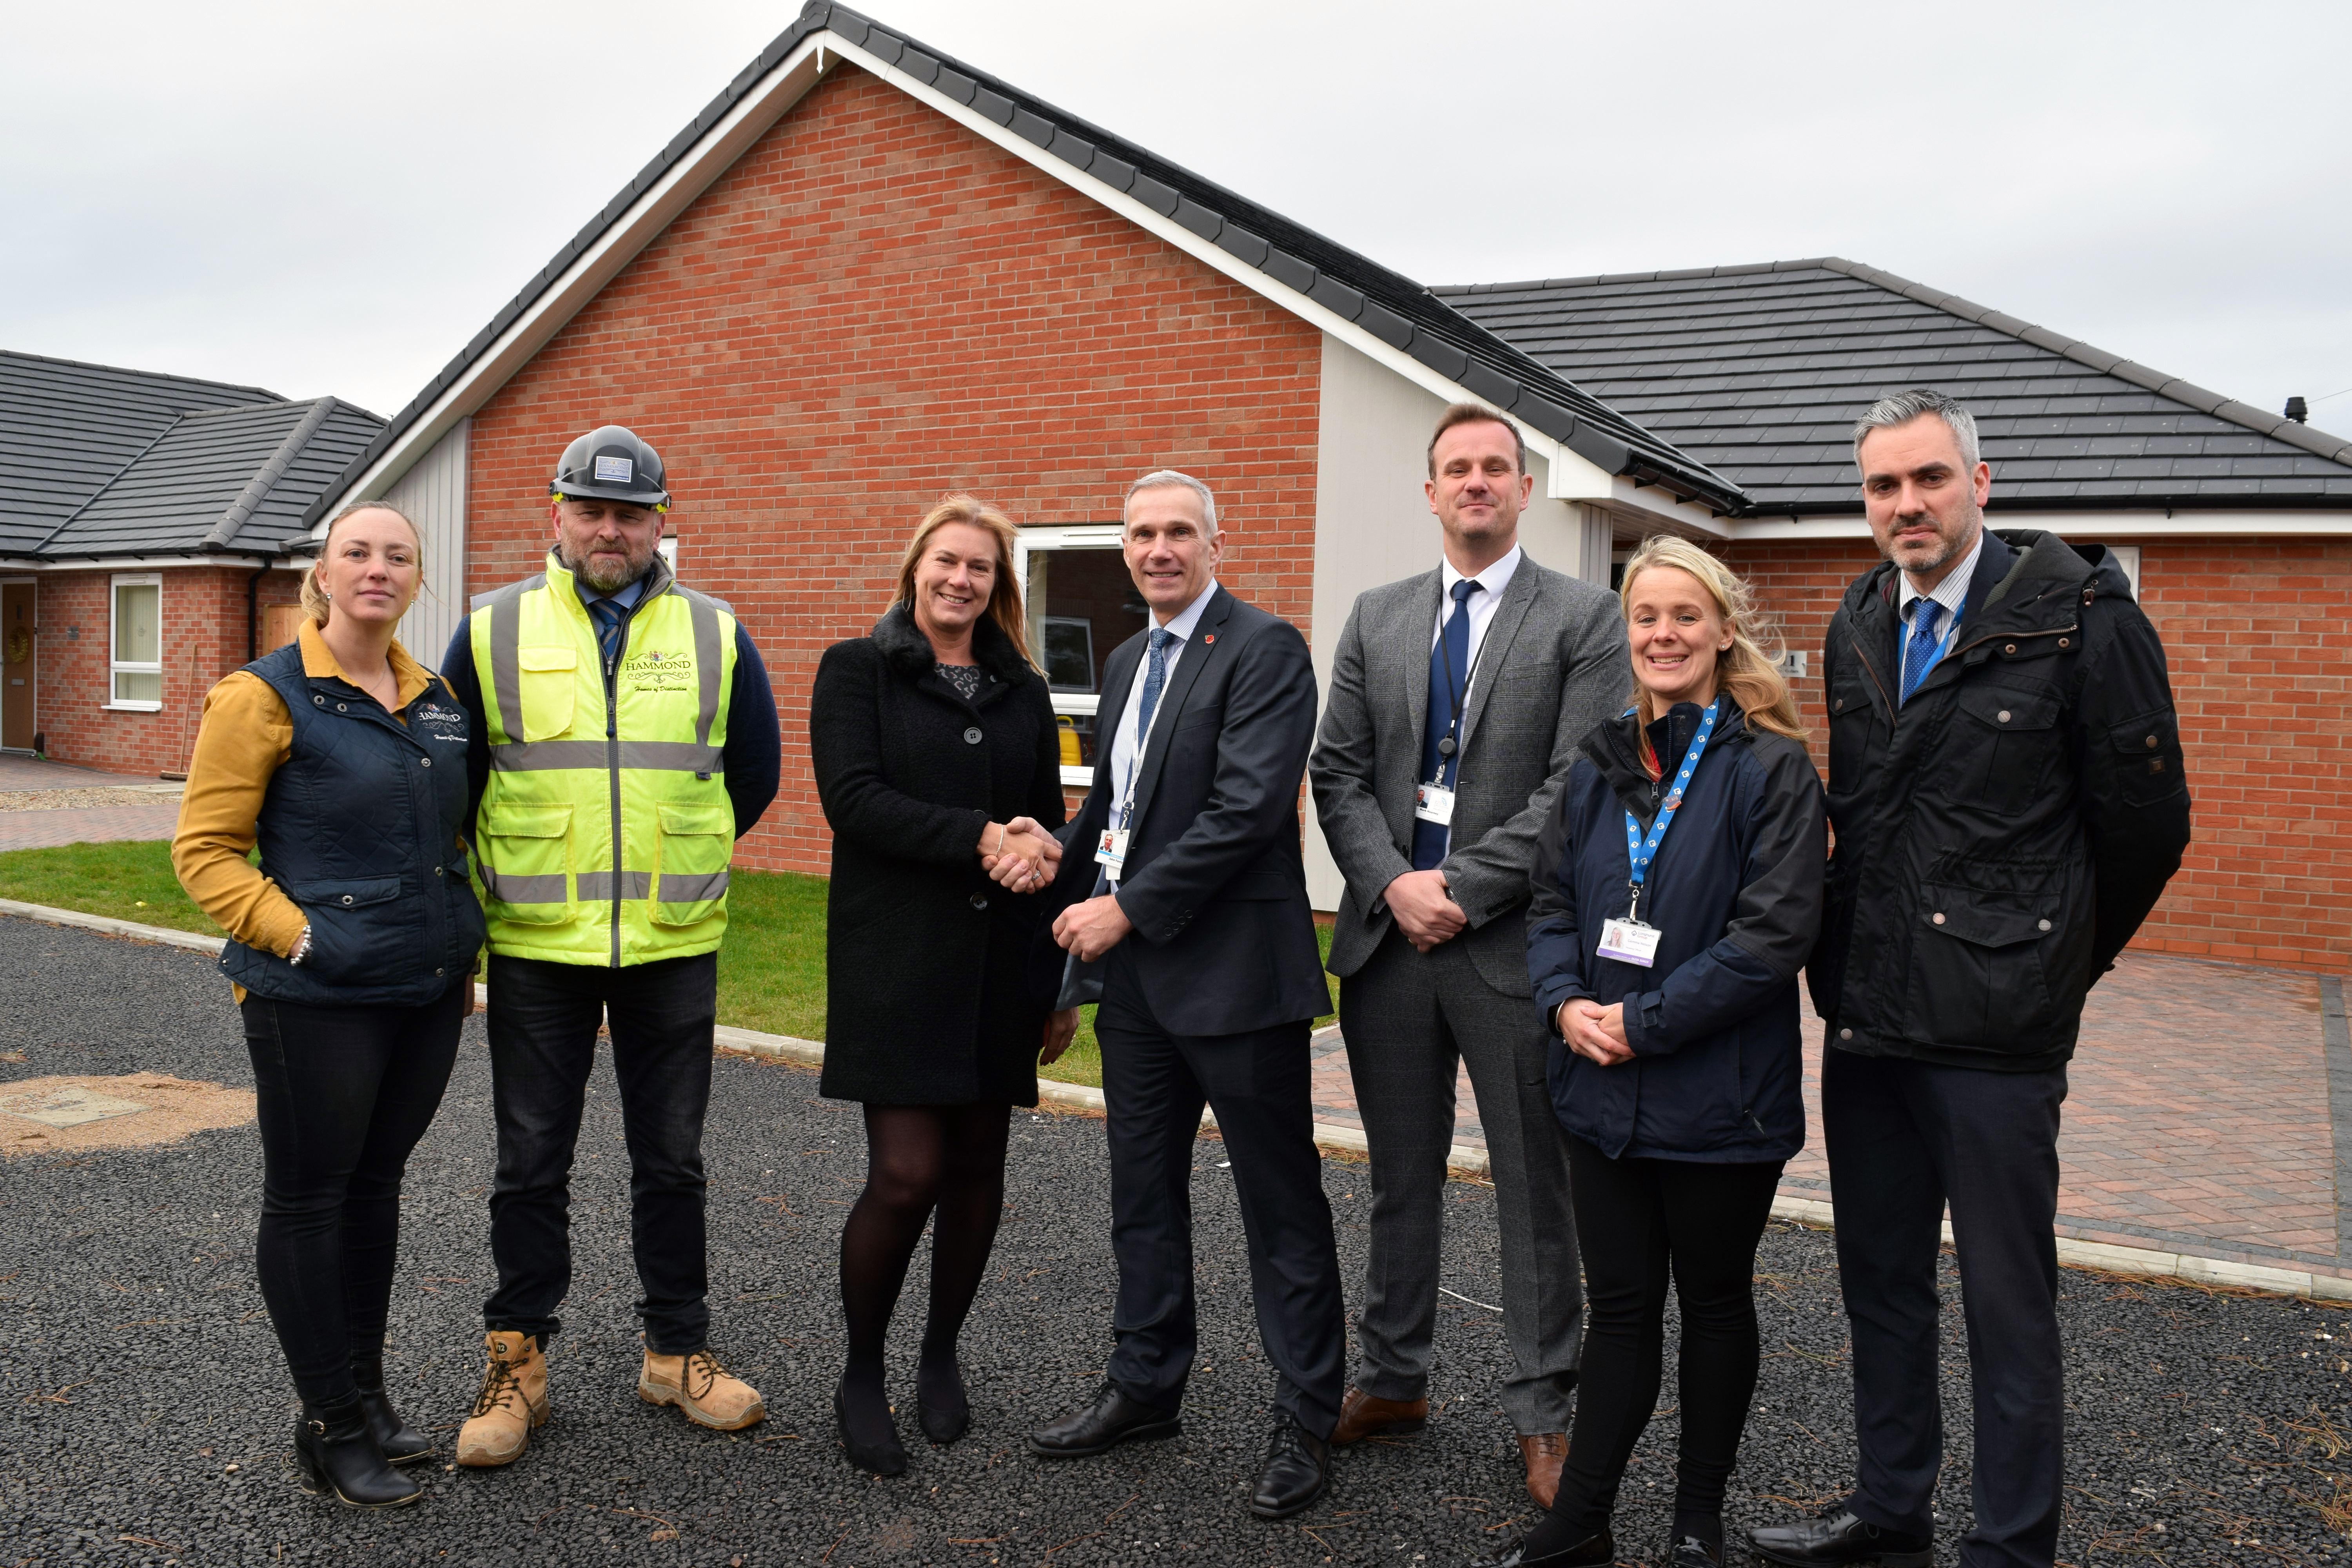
x: 1641, y: 851
x: 1911, y: 628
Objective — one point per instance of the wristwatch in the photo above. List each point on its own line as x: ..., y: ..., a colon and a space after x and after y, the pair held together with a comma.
x: 301, y: 949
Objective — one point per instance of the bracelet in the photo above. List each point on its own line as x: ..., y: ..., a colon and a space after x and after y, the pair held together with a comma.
x: 301, y: 949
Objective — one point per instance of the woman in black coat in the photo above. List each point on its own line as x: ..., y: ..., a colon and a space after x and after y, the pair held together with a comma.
x: 1674, y: 1058
x: 939, y: 767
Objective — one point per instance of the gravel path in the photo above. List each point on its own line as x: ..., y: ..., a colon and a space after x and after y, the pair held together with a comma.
x: 144, y: 1412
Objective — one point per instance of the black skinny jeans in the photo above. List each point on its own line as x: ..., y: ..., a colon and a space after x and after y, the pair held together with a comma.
x: 1639, y: 1220
x: 342, y: 1095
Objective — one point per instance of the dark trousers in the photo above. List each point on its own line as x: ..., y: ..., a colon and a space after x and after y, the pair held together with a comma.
x: 544, y: 1019
x: 1643, y: 1222
x: 342, y: 1095
x: 1411, y: 1018
x: 1903, y: 1139
x: 1154, y: 1084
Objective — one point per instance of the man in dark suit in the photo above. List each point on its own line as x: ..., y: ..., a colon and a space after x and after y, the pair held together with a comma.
x: 1457, y: 700
x: 2005, y: 780
x: 1186, y: 916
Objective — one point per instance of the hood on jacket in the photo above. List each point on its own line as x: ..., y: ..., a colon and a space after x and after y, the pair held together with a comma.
x: 2046, y: 567
x: 1613, y: 747
x: 910, y: 651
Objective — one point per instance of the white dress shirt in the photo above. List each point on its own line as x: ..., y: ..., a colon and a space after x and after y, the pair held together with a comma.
x: 1482, y: 605
x: 1127, y: 746
x: 1947, y: 593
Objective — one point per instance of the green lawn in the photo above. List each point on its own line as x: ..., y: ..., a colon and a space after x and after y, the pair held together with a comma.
x: 771, y: 970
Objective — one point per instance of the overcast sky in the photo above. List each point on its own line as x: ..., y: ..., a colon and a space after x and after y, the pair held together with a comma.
x: 333, y: 198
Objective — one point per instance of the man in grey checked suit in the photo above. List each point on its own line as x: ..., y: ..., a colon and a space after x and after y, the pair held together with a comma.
x: 1477, y: 678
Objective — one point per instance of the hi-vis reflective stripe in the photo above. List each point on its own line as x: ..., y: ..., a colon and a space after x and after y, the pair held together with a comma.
x: 651, y: 756
x: 596, y: 886
x: 505, y: 659
x: 506, y: 668
x: 517, y: 889
x: 706, y: 659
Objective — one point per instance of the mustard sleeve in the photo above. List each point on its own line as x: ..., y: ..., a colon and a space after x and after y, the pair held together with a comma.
x: 245, y: 738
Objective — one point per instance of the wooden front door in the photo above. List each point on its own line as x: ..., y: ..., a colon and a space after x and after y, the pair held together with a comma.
x: 19, y: 659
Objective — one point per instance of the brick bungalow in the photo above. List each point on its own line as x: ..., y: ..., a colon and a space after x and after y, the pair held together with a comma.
x: 867, y: 274
x: 151, y: 537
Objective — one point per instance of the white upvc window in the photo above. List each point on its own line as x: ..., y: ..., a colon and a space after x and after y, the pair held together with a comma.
x: 1081, y: 604
x: 135, y: 643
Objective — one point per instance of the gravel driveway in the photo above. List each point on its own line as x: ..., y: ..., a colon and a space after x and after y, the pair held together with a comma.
x: 144, y: 1413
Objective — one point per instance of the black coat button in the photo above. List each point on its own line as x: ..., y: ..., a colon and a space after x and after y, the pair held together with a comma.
x: 972, y: 735
x: 980, y: 901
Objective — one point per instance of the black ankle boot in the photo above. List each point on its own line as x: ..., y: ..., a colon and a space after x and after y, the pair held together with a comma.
x: 402, y: 1444
x: 339, y: 1457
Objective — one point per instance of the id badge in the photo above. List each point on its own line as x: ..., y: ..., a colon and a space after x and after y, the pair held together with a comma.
x: 1433, y: 803
x: 1630, y: 941
x: 1110, y: 849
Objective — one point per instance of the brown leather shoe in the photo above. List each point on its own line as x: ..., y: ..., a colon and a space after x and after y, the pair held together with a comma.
x: 1545, y: 1453
x: 1362, y: 1416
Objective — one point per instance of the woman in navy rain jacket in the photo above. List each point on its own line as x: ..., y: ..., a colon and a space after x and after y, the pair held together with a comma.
x: 1677, y: 1080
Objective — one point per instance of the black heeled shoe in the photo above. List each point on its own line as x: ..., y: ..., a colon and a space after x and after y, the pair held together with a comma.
x: 1592, y: 1552
x: 884, y: 1457
x: 337, y: 1456
x: 402, y: 1444
x: 950, y: 1417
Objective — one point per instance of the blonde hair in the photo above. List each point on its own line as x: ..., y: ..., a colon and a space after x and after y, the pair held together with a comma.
x: 314, y: 598
x: 1745, y: 672
x: 1003, y: 598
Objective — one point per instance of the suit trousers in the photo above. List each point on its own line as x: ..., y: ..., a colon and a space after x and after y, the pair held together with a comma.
x: 1905, y: 1138
x: 1408, y: 1017
x: 1154, y: 1085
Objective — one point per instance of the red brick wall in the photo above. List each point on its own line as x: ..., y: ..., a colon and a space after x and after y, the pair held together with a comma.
x: 2256, y: 634
x: 871, y: 308
x: 204, y: 639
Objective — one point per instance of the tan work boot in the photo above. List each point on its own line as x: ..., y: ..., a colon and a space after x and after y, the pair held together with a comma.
x: 513, y: 1400
x: 706, y: 1391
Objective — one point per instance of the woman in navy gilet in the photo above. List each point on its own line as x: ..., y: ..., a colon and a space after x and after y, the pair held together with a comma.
x: 351, y: 949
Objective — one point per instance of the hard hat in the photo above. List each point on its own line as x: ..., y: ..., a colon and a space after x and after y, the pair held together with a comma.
x: 611, y: 464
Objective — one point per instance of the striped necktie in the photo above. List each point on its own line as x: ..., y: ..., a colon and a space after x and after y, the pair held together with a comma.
x: 608, y: 616
x: 1919, y: 653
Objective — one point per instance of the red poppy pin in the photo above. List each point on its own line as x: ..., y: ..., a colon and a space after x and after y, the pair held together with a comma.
x: 1209, y: 641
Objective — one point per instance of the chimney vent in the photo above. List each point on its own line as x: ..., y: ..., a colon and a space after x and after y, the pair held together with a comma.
x: 2298, y: 410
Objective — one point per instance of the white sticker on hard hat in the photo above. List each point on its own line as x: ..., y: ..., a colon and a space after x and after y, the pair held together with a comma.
x: 614, y: 471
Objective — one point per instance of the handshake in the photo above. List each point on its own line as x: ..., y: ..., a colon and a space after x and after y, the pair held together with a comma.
x: 1020, y: 854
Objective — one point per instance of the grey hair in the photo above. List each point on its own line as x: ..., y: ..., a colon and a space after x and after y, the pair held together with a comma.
x: 1168, y: 478
x: 1902, y: 407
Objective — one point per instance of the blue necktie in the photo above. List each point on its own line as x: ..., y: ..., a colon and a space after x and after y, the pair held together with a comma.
x: 608, y: 617
x: 1919, y: 653
x: 1155, y: 677
x: 1449, y: 682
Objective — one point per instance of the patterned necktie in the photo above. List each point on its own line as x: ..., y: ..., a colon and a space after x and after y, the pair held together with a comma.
x: 1155, y: 677
x: 608, y: 616
x: 1449, y: 681
x: 1919, y: 653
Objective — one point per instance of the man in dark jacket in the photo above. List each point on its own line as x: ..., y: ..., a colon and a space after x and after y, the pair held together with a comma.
x: 2006, y: 786
x: 1183, y: 910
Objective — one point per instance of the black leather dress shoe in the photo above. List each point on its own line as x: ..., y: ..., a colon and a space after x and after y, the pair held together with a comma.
x: 1841, y: 1538
x: 1112, y: 1419
x: 1592, y: 1552
x: 1690, y: 1552
x: 1297, y: 1466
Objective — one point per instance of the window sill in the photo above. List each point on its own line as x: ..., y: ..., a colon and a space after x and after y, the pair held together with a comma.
x: 131, y: 707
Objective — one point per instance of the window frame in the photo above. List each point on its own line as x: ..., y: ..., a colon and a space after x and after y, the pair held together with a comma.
x: 1054, y: 537
x: 118, y: 667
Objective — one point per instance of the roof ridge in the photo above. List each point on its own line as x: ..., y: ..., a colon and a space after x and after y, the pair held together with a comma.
x: 2276, y: 426
x: 1394, y: 308
x: 91, y: 500
x: 266, y: 478
x: 261, y: 391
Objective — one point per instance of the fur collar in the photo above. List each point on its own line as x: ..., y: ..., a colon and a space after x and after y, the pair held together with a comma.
x: 910, y: 651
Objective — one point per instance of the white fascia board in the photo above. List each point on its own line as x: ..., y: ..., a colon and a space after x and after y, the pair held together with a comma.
x: 751, y: 119
x: 1574, y: 476
x: 2153, y: 524
x: 154, y: 564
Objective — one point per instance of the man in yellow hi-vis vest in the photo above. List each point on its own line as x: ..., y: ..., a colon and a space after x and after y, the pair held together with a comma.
x: 624, y: 736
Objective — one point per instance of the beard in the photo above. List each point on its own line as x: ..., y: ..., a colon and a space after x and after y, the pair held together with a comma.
x: 603, y: 577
